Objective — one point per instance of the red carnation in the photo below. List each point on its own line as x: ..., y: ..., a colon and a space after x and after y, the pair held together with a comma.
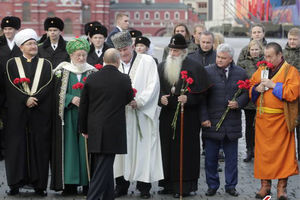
x: 75, y: 86
x: 98, y: 66
x: 134, y: 91
x: 189, y: 80
x: 270, y: 65
x: 80, y: 85
x: 16, y: 81
x: 184, y: 74
x: 84, y: 79
x: 259, y: 63
x: 189, y: 89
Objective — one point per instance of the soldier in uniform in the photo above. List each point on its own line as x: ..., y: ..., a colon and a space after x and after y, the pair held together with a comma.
x: 54, y: 47
x: 97, y: 35
x: 8, y: 49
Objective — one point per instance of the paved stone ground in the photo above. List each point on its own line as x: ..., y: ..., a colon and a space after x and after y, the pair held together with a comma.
x: 247, y: 185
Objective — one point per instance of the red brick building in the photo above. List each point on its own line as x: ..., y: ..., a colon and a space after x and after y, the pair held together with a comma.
x: 152, y: 17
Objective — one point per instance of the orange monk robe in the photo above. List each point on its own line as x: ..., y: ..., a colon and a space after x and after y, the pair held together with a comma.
x: 275, y: 151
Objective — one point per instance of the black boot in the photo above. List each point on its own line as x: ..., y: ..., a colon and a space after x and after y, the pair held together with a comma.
x: 249, y: 156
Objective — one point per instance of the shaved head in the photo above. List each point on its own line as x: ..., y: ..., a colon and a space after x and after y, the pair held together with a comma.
x: 112, y: 57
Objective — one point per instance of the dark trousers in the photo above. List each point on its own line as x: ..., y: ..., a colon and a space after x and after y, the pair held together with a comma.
x: 212, y: 148
x: 250, y: 129
x: 102, y: 182
x: 123, y: 185
x: 298, y: 140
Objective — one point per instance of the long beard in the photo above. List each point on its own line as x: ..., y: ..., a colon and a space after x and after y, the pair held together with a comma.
x: 79, y: 66
x: 172, y: 68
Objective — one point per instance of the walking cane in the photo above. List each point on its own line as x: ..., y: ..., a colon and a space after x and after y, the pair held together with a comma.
x: 181, y: 150
x: 87, y: 159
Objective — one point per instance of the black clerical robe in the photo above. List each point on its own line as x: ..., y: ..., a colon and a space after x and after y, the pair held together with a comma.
x: 28, y: 131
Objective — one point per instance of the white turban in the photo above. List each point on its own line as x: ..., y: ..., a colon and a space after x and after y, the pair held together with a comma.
x: 25, y: 35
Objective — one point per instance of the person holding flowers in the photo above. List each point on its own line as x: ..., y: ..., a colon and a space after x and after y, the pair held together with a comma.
x: 28, y: 131
x: 276, y: 97
x: 69, y: 162
x: 143, y: 162
x: 221, y: 119
x: 182, y: 80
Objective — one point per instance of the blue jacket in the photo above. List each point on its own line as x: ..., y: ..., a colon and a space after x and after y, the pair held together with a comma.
x: 216, y: 101
x: 108, y: 39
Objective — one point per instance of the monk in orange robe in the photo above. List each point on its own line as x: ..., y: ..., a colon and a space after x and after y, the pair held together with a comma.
x: 275, y: 152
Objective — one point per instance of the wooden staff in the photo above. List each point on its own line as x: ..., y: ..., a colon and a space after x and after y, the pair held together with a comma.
x: 181, y: 150
x: 87, y: 159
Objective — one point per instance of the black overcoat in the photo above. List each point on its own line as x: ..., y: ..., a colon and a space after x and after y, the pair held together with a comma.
x: 102, y: 110
x: 55, y: 57
x: 28, y: 130
x: 93, y: 58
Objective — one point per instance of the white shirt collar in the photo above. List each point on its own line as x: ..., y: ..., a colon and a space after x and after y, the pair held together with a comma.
x: 100, y: 51
x: 10, y: 43
x: 126, y: 66
x: 54, y: 46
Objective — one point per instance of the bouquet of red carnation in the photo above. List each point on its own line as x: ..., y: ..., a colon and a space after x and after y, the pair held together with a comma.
x: 22, y: 82
x: 187, y: 81
x: 266, y: 66
x: 241, y: 85
x: 98, y: 66
x: 136, y: 115
x: 78, y: 85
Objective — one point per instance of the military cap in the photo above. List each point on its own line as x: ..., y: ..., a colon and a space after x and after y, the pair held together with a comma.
x: 11, y: 21
x: 53, y: 22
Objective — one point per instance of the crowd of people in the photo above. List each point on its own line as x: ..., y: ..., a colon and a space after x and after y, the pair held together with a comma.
x: 102, y: 107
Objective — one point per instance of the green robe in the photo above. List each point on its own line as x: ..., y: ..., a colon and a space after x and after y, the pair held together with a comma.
x: 75, y: 171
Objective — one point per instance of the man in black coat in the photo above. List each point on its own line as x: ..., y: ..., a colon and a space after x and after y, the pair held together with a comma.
x: 54, y: 47
x: 102, y: 120
x: 224, y: 75
x: 8, y: 50
x: 97, y: 36
x: 28, y: 88
x: 205, y: 55
x: 170, y: 95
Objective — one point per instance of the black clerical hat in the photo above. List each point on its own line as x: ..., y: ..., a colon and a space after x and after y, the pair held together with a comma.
x: 88, y: 26
x: 53, y: 22
x: 135, y: 33
x: 11, y: 21
x: 99, y: 29
x: 142, y: 40
x: 178, y: 42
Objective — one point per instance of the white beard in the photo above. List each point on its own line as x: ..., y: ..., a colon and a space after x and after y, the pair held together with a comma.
x: 79, y: 66
x: 173, y: 67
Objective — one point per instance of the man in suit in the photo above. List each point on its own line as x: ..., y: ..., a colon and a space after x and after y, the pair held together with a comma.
x: 54, y: 47
x: 224, y: 76
x: 122, y: 24
x: 102, y: 119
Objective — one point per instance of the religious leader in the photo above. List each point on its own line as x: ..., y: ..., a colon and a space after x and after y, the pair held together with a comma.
x: 28, y: 134
x: 143, y: 162
x: 69, y: 162
x: 275, y: 153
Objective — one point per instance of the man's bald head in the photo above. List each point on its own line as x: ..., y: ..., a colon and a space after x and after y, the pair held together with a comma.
x: 112, y: 57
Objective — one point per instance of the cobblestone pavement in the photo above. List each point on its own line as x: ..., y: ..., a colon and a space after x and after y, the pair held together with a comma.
x: 247, y: 185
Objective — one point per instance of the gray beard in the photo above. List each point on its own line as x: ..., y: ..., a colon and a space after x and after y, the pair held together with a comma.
x: 172, y: 68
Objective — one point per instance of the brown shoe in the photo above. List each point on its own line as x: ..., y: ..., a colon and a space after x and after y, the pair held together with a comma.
x: 281, y: 189
x: 265, y: 189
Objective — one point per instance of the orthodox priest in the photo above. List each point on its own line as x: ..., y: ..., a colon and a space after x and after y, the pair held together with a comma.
x: 69, y: 162
x: 143, y: 161
x: 170, y: 96
x: 28, y: 134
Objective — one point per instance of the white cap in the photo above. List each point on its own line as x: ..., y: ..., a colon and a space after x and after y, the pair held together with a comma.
x: 25, y: 35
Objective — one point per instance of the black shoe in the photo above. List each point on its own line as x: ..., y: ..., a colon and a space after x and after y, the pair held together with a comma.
x: 210, y: 192
x: 219, y: 169
x: 13, y: 191
x: 69, y: 190
x: 177, y: 195
x: 232, y: 192
x: 248, y: 157
x: 119, y: 192
x: 40, y: 192
x: 221, y: 156
x: 145, y: 195
x: 164, y: 191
